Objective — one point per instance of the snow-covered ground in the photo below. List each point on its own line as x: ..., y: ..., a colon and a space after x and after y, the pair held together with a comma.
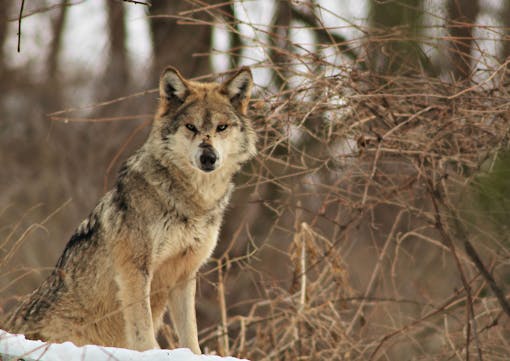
x: 14, y: 347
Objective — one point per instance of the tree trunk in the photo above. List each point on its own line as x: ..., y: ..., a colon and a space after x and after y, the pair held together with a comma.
x: 4, y: 13
x: 280, y: 43
x: 117, y: 71
x: 176, y: 44
x: 462, y: 15
x: 236, y: 43
x: 394, y: 47
x: 57, y: 28
x: 505, y: 51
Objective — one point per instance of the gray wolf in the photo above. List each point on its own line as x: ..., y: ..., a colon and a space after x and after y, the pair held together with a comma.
x: 139, y: 250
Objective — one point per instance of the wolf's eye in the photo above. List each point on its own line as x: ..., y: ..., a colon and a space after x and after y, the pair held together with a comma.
x: 191, y: 127
x: 221, y: 127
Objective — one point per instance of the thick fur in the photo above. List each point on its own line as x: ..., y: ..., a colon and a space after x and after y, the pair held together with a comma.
x: 139, y: 250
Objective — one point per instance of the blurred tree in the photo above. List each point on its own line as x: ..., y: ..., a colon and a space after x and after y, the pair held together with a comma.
x: 492, y: 195
x: 394, y: 44
x: 324, y: 37
x: 505, y: 52
x: 117, y: 70
x: 57, y: 30
x: 4, y: 11
x: 236, y: 43
x: 50, y: 90
x: 280, y: 43
x: 462, y: 15
x: 174, y: 43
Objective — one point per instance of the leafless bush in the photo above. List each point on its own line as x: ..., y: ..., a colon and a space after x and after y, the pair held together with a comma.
x: 365, y: 177
x: 355, y: 235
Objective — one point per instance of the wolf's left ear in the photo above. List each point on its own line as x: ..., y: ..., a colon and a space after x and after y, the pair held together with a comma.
x: 172, y: 86
x: 238, y: 89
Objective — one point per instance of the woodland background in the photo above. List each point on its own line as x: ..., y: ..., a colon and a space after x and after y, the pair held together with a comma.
x: 374, y: 223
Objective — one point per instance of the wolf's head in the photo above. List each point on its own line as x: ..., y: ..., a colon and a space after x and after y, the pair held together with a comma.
x: 203, y: 127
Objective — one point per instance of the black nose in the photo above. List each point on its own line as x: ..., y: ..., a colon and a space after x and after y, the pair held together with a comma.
x: 207, y: 159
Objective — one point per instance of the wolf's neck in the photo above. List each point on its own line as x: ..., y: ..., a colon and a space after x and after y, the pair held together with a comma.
x: 210, y: 189
x: 201, y: 190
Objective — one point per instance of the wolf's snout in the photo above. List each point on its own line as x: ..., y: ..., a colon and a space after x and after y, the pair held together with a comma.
x: 208, y: 158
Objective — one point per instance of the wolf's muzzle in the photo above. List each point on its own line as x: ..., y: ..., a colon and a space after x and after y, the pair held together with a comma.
x: 208, y: 158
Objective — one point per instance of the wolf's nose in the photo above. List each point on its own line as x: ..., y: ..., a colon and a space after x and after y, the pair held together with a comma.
x: 207, y: 160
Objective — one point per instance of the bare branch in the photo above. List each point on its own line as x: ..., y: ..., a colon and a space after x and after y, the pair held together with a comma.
x: 19, y: 24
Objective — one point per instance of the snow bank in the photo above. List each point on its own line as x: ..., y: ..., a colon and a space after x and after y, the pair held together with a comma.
x: 13, y: 347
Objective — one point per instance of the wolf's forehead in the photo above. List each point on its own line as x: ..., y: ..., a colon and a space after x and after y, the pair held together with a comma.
x: 207, y: 113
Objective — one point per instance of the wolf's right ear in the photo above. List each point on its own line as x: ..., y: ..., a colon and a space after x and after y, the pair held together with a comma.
x: 172, y: 86
x: 238, y: 89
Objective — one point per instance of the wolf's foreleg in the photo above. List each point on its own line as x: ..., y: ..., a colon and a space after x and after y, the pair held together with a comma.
x: 134, y: 297
x: 182, y: 310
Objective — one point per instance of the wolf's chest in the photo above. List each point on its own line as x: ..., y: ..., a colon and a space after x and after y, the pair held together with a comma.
x: 175, y: 237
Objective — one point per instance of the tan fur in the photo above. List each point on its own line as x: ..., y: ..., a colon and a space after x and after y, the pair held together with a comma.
x: 139, y: 250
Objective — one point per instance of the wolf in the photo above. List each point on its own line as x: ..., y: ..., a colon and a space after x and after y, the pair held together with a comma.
x: 139, y: 250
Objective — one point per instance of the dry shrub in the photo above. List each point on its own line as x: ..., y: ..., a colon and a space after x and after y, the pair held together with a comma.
x: 365, y: 179
x: 354, y: 234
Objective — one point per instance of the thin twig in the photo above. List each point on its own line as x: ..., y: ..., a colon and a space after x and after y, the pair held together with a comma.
x: 224, y: 343
x: 435, y: 196
x: 146, y: 3
x: 19, y: 24
x: 375, y: 273
x: 470, y: 250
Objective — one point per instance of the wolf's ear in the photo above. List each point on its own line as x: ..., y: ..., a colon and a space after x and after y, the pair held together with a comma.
x: 172, y: 86
x: 238, y: 89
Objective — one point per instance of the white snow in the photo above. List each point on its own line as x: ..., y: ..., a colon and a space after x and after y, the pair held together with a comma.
x: 13, y: 347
